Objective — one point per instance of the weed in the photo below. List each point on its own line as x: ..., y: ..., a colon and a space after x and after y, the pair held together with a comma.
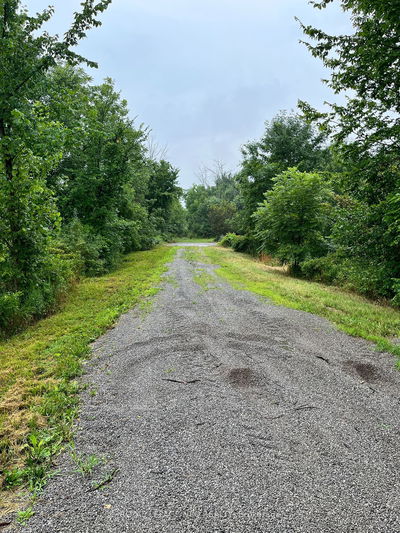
x: 85, y: 464
x: 172, y: 281
x: 206, y: 281
x: 24, y: 516
x: 105, y: 480
x: 191, y: 254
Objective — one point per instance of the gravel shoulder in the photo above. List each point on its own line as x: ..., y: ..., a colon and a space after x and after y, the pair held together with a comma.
x: 219, y: 412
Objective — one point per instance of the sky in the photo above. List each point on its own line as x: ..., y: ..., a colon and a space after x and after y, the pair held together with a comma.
x: 205, y: 75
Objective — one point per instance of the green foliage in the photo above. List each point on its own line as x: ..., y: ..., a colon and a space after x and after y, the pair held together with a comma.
x: 292, y: 222
x: 240, y: 243
x: 228, y: 240
x: 77, y: 189
x: 366, y: 127
x: 288, y: 141
x: 212, y: 210
x: 325, y: 269
x: 365, y: 131
x: 197, y: 198
x: 246, y: 244
x: 31, y: 144
x: 162, y: 198
x: 24, y: 516
x: 85, y: 464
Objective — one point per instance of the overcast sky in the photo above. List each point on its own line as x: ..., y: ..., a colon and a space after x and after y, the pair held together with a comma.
x: 205, y: 75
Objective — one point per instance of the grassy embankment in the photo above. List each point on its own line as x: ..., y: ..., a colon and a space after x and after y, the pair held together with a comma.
x: 38, y: 368
x: 350, y: 312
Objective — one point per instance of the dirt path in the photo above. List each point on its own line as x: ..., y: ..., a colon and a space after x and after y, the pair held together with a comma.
x: 217, y: 412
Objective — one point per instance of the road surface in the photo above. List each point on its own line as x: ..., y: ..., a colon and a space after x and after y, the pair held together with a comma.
x: 219, y: 412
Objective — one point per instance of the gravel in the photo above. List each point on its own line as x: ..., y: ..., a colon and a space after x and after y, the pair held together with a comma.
x: 219, y: 412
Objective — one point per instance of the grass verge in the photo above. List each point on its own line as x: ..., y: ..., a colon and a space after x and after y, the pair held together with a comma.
x: 38, y: 367
x: 351, y: 313
x: 193, y: 240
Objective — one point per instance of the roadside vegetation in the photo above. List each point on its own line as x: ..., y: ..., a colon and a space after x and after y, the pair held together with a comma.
x: 320, y: 191
x: 39, y: 367
x: 80, y: 186
x: 350, y: 312
x: 194, y: 240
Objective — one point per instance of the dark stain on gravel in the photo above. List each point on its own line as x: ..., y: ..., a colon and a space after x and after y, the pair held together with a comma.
x: 366, y: 371
x: 240, y: 377
x: 221, y: 412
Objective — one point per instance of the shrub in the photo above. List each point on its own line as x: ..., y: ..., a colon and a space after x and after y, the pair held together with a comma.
x: 245, y: 244
x: 39, y: 294
x: 240, y: 243
x: 10, y: 303
x: 228, y: 240
x: 363, y: 276
x: 292, y: 223
x: 325, y: 269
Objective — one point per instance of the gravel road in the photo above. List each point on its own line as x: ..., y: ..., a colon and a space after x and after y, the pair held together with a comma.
x: 217, y: 412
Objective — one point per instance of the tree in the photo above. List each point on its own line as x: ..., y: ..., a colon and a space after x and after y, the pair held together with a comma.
x: 292, y: 223
x: 197, y: 203
x: 366, y: 131
x: 30, y: 143
x: 162, y: 194
x: 94, y: 172
x: 212, y: 209
x: 288, y: 141
x: 220, y: 215
x: 365, y: 66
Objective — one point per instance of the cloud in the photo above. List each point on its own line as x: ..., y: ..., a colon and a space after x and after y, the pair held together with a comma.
x: 205, y: 75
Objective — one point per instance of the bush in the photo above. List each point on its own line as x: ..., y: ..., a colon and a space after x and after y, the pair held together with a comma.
x: 396, y: 287
x: 228, y: 240
x: 39, y: 294
x: 293, y: 221
x: 10, y: 303
x: 240, y: 243
x: 363, y: 276
x: 325, y: 269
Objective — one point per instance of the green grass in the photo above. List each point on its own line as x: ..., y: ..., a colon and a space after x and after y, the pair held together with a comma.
x: 38, y: 367
x: 193, y: 240
x: 351, y: 313
x: 191, y: 254
x: 205, y: 280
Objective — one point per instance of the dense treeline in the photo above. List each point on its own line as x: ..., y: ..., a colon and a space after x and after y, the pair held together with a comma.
x: 213, y: 210
x: 77, y: 186
x: 321, y: 191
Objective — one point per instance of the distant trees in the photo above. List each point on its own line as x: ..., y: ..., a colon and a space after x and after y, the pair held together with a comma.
x: 212, y: 209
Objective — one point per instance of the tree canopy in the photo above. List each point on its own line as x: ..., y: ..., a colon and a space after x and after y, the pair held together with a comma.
x: 77, y: 185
